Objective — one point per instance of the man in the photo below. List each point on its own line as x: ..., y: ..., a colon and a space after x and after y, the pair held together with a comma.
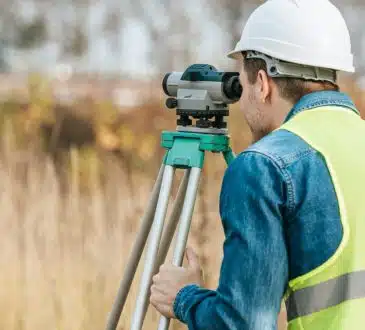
x: 292, y: 203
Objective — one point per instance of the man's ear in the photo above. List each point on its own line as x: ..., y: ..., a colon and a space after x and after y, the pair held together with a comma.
x: 263, y: 92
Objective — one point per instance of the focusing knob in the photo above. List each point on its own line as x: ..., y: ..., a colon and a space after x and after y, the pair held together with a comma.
x: 171, y: 103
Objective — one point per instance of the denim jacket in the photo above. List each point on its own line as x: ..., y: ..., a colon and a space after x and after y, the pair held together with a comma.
x: 281, y: 219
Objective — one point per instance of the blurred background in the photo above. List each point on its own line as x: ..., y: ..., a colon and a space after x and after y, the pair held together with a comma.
x: 81, y: 113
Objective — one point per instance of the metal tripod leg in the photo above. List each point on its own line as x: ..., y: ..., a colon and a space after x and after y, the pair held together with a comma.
x: 168, y: 233
x: 151, y: 256
x: 185, y: 221
x: 135, y: 256
x: 170, y: 229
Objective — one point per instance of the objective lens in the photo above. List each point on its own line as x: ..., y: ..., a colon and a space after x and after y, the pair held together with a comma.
x: 164, y: 83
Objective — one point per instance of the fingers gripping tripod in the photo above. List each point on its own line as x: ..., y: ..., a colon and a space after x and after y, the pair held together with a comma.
x: 185, y: 151
x: 203, y: 94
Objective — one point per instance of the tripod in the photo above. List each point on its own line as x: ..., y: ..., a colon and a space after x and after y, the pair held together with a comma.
x: 185, y: 150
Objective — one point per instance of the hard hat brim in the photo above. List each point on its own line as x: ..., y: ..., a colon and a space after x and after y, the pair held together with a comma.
x: 237, y: 55
x: 234, y: 55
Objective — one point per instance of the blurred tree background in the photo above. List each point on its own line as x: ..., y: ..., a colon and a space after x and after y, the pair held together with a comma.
x: 81, y: 113
x: 113, y: 36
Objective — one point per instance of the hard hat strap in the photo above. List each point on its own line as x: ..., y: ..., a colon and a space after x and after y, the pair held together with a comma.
x: 277, y: 68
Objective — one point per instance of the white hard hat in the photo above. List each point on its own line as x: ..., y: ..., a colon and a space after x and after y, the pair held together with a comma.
x: 308, y: 32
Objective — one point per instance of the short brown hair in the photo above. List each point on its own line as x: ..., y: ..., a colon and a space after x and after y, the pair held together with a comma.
x: 291, y: 89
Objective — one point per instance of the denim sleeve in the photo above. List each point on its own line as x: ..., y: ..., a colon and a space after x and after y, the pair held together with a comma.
x: 254, y: 270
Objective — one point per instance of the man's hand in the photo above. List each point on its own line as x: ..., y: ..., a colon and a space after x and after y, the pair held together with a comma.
x: 168, y: 282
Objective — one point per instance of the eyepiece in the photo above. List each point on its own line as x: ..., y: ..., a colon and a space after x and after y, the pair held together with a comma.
x: 232, y: 88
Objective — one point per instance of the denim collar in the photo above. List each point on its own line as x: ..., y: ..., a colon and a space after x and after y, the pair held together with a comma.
x: 319, y: 99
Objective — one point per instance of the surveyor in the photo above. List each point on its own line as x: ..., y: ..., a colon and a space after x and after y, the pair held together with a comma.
x: 292, y: 203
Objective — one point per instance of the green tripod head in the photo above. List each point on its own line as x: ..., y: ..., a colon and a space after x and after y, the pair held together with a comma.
x: 202, y: 93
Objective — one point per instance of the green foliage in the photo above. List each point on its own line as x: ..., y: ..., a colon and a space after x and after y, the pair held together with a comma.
x: 95, y: 131
x: 3, y: 64
x: 31, y: 35
x: 76, y: 44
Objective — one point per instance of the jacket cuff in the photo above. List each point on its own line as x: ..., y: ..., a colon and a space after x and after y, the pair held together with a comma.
x: 183, y: 301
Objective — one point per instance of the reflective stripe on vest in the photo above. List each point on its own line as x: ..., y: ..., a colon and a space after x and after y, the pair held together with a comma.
x: 327, y: 294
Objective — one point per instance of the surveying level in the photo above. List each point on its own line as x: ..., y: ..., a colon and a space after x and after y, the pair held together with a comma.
x: 201, y: 93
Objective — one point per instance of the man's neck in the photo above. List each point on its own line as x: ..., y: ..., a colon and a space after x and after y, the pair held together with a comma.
x: 280, y: 112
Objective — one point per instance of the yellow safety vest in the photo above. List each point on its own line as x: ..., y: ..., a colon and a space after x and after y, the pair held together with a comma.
x: 332, y: 296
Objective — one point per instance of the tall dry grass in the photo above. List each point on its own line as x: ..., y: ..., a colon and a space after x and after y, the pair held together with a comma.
x: 70, y: 207
x: 63, y: 252
x: 66, y: 236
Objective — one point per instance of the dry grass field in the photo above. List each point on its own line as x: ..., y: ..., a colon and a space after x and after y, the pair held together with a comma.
x: 74, y: 184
